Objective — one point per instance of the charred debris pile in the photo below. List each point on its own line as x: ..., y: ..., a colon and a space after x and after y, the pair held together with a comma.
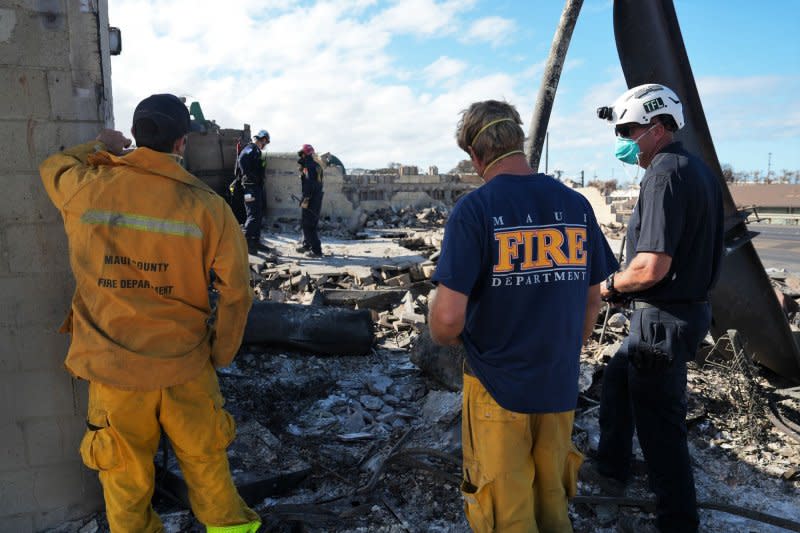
x: 336, y: 435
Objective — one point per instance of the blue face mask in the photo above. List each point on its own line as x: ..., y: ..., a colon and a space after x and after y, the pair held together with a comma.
x: 627, y: 150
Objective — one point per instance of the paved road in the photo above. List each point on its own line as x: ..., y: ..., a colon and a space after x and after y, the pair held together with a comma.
x: 778, y: 246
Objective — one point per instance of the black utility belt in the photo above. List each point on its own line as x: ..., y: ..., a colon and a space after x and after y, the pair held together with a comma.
x: 641, y: 304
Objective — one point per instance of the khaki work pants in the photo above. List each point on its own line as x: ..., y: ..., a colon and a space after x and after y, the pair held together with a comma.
x: 123, y: 436
x: 519, y: 469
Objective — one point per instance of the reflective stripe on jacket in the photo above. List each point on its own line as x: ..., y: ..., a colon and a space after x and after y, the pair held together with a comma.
x: 144, y: 236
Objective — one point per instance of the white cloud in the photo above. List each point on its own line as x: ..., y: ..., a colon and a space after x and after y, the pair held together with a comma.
x: 324, y: 73
x: 331, y: 73
x: 422, y: 17
x: 713, y: 86
x: 493, y: 30
x: 443, y: 69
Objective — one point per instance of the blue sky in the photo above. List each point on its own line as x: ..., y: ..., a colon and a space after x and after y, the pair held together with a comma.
x: 380, y: 81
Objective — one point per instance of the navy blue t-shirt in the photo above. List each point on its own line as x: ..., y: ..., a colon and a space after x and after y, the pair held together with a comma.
x: 525, y: 250
x: 679, y: 213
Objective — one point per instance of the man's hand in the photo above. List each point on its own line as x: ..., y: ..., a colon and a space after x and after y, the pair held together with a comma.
x: 606, y: 294
x: 114, y: 140
x: 305, y: 203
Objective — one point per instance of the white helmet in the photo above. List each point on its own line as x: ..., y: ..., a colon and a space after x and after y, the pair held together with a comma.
x: 640, y: 104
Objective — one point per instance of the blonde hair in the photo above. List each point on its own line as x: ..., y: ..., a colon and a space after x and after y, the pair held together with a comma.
x: 501, y: 137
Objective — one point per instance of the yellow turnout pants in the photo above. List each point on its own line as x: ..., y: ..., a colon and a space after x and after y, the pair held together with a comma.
x: 519, y: 469
x: 122, y: 439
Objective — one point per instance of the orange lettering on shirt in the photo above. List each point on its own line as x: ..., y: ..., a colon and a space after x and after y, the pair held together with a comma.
x: 576, y: 239
x: 529, y: 262
x: 549, y: 248
x: 509, y: 242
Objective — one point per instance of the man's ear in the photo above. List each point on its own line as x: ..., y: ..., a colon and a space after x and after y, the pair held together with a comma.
x: 474, y: 158
x: 180, y: 145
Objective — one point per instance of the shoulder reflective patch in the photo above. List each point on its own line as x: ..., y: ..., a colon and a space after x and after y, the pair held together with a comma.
x: 142, y: 223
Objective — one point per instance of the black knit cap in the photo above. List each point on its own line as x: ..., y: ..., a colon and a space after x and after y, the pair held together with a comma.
x: 167, y: 113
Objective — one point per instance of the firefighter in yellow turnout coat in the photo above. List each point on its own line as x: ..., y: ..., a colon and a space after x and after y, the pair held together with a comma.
x: 144, y: 238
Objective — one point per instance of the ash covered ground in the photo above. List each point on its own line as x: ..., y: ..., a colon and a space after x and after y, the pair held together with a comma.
x: 371, y: 443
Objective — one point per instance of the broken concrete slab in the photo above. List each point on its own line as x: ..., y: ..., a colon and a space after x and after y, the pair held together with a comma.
x: 403, y: 280
x: 378, y: 299
x: 442, y: 363
x: 379, y: 384
x: 441, y: 406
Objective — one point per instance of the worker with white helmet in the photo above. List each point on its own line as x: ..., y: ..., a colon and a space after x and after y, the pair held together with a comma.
x: 250, y: 168
x: 674, y: 250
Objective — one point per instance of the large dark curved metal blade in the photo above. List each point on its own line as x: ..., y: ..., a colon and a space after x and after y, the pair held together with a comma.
x: 651, y: 50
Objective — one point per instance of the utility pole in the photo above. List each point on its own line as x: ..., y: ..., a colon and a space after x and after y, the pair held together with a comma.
x: 546, y: 150
x: 550, y: 78
x: 583, y: 180
x: 769, y: 166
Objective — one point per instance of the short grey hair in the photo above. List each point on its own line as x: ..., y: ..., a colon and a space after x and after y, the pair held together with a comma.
x: 497, y: 139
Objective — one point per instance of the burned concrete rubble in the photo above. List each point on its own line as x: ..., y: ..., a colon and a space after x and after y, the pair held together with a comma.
x: 369, y: 440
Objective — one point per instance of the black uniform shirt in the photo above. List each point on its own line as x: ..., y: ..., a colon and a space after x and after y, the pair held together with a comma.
x: 311, y: 180
x: 251, y: 165
x: 679, y: 213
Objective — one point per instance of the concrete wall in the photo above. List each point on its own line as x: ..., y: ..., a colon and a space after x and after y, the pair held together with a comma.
x: 55, y: 92
x: 345, y: 194
x: 600, y: 205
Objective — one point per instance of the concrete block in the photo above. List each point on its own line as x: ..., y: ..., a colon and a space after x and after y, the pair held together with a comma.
x: 36, y: 248
x: 80, y: 396
x: 24, y: 200
x: 16, y: 492
x: 12, y: 445
x: 25, y: 94
x: 10, y: 354
x: 36, y: 394
x: 35, y: 299
x: 55, y: 486
x: 52, y: 440
x: 27, y: 143
x: 16, y: 138
x: 67, y: 519
x: 43, y: 348
x: 39, y: 35
x: 33, y: 348
x: 18, y: 523
x: 92, y: 488
x: 74, y: 95
x: 83, y: 32
x: 51, y: 137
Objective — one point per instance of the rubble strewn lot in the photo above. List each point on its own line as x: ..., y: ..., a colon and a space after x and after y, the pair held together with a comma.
x: 371, y: 443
